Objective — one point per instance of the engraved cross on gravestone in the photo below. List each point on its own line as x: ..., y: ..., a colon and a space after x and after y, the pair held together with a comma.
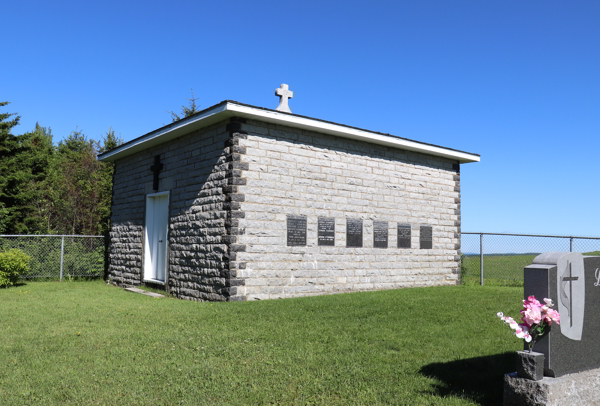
x: 284, y: 94
x: 569, y: 279
x: 156, y: 168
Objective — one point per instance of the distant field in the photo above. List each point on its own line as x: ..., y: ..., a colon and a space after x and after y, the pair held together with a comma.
x: 498, y: 269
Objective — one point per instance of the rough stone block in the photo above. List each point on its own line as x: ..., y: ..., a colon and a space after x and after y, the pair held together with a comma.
x: 581, y: 389
x: 530, y: 365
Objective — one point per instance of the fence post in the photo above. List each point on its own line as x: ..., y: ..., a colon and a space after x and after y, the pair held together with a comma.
x: 570, y: 244
x: 481, y: 259
x: 62, y: 255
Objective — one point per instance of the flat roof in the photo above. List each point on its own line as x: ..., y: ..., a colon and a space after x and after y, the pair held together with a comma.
x: 229, y: 108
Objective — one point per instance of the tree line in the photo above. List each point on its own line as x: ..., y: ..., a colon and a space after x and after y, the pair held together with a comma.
x: 48, y: 188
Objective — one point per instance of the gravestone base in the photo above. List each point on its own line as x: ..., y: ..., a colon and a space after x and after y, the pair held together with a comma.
x: 581, y: 389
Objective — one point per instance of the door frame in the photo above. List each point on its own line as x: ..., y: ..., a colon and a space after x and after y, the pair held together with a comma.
x: 145, y: 240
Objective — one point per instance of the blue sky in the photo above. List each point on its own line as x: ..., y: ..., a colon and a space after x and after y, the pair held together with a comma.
x: 514, y: 81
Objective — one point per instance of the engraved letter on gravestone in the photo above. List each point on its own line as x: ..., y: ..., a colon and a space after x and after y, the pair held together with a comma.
x: 380, y: 234
x: 326, y: 231
x: 354, y: 233
x: 296, y: 230
x: 404, y: 236
x: 426, y: 238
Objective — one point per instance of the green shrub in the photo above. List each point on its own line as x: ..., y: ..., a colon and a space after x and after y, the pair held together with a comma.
x: 13, y: 263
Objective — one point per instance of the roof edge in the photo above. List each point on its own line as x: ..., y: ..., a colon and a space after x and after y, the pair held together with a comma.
x: 230, y: 108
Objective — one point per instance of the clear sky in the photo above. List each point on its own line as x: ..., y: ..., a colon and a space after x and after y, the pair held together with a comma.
x: 517, y: 82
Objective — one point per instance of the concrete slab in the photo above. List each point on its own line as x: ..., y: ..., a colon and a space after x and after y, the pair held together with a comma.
x: 134, y: 290
x: 152, y: 294
x: 143, y: 292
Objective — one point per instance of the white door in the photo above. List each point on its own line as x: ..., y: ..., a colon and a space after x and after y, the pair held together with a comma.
x: 155, y: 247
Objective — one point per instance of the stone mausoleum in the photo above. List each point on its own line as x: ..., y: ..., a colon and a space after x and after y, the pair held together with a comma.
x: 239, y: 202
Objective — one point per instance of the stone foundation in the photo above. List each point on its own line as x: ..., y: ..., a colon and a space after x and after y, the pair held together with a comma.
x: 581, y: 389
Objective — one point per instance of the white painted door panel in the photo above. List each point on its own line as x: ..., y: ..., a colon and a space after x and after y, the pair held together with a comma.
x: 157, y: 215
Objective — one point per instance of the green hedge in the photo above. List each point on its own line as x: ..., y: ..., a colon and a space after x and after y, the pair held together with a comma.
x: 13, y: 263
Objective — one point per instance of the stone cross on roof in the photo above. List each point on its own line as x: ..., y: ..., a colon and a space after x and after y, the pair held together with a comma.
x: 284, y: 94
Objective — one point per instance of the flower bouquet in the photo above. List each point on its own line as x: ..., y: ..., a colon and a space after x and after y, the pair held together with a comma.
x: 536, y: 319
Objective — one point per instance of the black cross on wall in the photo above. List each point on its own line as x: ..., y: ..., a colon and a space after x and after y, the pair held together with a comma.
x: 156, y: 168
x: 570, y: 279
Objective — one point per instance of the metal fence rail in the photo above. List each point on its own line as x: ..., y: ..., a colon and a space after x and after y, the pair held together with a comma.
x: 59, y: 256
x: 491, y: 258
x: 499, y: 258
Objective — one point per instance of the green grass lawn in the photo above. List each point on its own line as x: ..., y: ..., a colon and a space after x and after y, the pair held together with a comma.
x: 498, y: 270
x: 86, y: 343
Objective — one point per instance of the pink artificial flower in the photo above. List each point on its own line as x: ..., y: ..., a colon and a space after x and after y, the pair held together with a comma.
x: 532, y: 315
x: 532, y: 301
x: 523, y: 332
x: 552, y: 316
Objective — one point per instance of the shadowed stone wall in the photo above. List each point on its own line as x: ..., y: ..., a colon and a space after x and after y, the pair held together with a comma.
x: 197, y: 172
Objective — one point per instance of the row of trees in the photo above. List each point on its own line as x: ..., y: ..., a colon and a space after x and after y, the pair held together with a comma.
x: 53, y: 189
x: 48, y: 188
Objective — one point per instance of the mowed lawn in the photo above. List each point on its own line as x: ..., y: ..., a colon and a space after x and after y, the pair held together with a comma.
x: 86, y: 343
x: 498, y: 270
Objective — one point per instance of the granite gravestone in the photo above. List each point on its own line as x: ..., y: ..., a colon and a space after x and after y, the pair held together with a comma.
x: 380, y: 234
x: 354, y: 233
x: 404, y: 236
x: 296, y: 230
x: 426, y: 238
x: 572, y: 281
x: 326, y: 231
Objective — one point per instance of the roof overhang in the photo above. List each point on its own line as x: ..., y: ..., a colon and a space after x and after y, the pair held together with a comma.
x: 227, y: 109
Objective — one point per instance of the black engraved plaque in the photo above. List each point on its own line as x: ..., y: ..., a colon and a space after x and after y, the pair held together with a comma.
x: 404, y: 240
x: 426, y: 238
x: 354, y: 233
x: 380, y: 234
x: 326, y: 231
x: 296, y: 230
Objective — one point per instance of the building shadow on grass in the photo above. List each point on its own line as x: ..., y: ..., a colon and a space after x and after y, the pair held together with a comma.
x: 479, y: 379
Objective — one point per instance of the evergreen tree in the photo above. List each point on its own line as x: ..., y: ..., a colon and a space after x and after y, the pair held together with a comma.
x: 53, y: 189
x: 80, y: 186
x: 23, y: 164
x: 109, y: 141
x: 186, y: 111
x: 6, y: 126
x: 7, y: 145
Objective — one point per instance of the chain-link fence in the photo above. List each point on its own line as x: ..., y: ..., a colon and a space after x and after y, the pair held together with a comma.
x: 487, y: 258
x: 499, y: 259
x: 59, y: 256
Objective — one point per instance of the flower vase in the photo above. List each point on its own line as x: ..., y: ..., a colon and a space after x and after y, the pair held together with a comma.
x: 530, y: 365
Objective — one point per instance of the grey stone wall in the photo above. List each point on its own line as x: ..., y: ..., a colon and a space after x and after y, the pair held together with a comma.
x: 296, y: 172
x: 196, y: 173
x: 232, y: 186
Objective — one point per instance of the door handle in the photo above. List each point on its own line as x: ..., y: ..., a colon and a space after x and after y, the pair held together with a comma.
x: 160, y: 240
